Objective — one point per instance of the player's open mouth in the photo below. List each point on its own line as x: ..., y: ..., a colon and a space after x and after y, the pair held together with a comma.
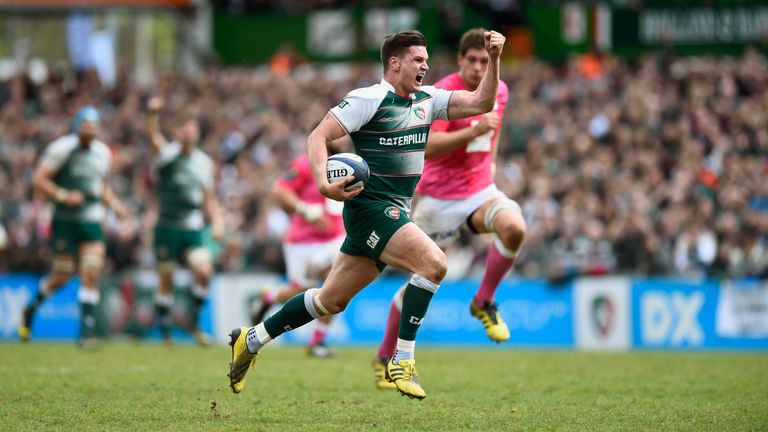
x: 419, y: 78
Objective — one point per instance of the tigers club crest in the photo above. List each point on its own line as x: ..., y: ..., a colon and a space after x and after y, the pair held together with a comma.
x: 392, y: 212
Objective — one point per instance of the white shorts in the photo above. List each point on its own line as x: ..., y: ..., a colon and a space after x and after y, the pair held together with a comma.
x: 442, y: 219
x: 305, y: 262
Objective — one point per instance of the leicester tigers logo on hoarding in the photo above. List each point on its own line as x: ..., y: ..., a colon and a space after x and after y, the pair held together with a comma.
x: 603, y: 313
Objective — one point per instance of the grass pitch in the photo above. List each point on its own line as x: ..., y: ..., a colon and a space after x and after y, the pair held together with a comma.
x: 150, y: 387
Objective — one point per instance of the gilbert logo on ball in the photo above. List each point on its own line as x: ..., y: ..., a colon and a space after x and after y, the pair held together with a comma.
x: 343, y: 165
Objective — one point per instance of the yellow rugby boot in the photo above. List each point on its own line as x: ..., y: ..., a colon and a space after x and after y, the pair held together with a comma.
x: 494, y: 325
x: 25, y: 328
x: 242, y: 359
x: 379, y: 374
x: 406, y: 380
x: 24, y: 333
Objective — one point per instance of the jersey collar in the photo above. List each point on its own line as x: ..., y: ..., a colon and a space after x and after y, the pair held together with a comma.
x: 384, y: 83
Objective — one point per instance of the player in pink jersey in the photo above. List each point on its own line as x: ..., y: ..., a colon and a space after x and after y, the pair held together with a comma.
x: 457, y: 189
x: 312, y: 241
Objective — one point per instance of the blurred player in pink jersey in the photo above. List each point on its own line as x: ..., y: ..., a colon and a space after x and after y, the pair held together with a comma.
x: 312, y: 241
x: 457, y: 189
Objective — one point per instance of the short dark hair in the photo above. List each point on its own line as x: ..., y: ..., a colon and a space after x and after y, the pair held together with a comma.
x: 396, y: 44
x: 472, y: 39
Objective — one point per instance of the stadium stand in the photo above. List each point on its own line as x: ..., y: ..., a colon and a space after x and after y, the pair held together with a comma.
x: 650, y: 167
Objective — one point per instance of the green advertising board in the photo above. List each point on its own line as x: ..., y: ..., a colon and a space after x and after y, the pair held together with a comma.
x: 698, y: 30
x: 247, y: 39
x: 559, y: 31
x: 353, y: 33
x: 562, y: 29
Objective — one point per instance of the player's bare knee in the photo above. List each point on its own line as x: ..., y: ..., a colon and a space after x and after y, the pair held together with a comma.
x: 203, y: 275
x: 334, y: 301
x: 90, y: 267
x: 323, y: 303
x: 512, y: 234
x: 440, y: 269
x: 434, y: 266
x: 200, y: 259
x: 166, y: 283
x: 89, y: 276
x: 63, y: 267
x: 335, y: 305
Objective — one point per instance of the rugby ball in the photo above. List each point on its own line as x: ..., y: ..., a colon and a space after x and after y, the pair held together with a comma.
x: 343, y: 165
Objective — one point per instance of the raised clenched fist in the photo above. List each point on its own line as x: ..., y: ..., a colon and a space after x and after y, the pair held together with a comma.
x: 155, y: 104
x: 494, y: 43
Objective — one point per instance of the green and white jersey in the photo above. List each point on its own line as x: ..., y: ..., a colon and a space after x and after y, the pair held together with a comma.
x: 182, y: 182
x: 390, y: 133
x: 79, y: 168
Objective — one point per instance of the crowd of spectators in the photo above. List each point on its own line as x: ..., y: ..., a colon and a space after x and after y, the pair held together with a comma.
x: 652, y: 167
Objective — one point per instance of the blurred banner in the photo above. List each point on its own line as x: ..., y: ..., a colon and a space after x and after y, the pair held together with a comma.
x: 683, y: 314
x: 246, y: 34
x: 89, y: 48
x: 692, y: 30
x: 603, y: 313
x: 538, y: 315
x: 609, y: 313
x: 742, y: 310
x: 56, y: 319
x: 126, y: 307
x: 561, y: 30
x: 94, y: 3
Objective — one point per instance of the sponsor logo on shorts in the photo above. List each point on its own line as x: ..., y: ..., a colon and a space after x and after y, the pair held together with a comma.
x: 392, y: 212
x: 416, y: 320
x: 373, y: 240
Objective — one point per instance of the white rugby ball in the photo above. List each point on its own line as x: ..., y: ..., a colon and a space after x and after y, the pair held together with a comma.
x: 342, y: 165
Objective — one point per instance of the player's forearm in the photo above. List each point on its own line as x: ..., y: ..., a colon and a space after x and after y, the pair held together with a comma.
x: 213, y: 213
x: 291, y: 203
x: 286, y: 199
x: 318, y: 159
x: 48, y: 188
x: 489, y: 86
x: 156, y: 139
x: 441, y: 143
x: 109, y: 197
